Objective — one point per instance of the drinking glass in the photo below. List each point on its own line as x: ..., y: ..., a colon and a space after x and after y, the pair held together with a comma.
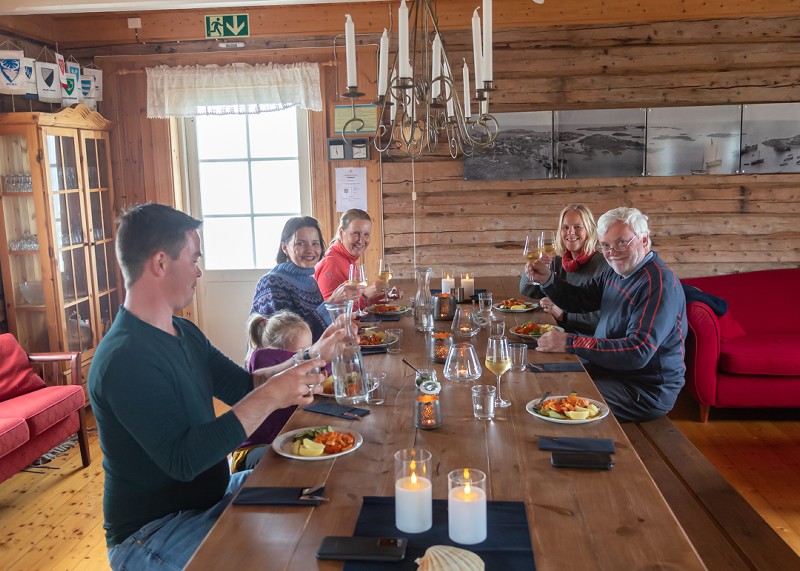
x: 548, y: 242
x: 464, y: 324
x: 533, y: 249
x: 484, y: 309
x: 498, y: 361
x: 385, y: 274
x: 357, y: 278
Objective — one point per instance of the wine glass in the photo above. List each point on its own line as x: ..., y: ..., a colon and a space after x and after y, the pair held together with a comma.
x: 498, y: 361
x: 533, y: 249
x: 357, y: 278
x: 549, y: 244
x: 385, y: 274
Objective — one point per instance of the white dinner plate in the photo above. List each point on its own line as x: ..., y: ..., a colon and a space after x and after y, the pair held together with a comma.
x: 283, y: 444
x: 532, y: 337
x: 388, y: 338
x: 529, y: 306
x: 603, y: 411
x: 400, y: 311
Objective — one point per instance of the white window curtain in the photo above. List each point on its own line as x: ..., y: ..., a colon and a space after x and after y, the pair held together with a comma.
x: 237, y: 88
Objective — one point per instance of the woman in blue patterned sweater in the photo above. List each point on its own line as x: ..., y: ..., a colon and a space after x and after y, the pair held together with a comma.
x: 291, y: 284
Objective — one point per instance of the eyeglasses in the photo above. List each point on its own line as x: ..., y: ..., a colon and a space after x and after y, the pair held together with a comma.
x: 620, y: 246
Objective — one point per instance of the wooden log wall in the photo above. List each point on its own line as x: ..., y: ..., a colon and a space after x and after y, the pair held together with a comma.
x: 702, y: 225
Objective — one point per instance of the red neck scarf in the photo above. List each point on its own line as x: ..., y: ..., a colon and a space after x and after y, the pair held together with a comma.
x: 571, y: 264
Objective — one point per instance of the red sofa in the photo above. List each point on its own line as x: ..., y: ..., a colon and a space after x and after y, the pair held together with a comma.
x: 34, y: 416
x: 749, y: 357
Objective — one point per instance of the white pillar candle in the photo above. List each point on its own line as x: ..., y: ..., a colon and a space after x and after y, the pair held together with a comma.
x: 448, y: 283
x: 477, y: 49
x: 413, y: 504
x: 436, y: 66
x: 466, y: 514
x: 350, y: 51
x: 451, y: 99
x: 488, y: 70
x: 468, y: 284
x: 402, y: 36
x: 467, y: 103
x: 383, y: 63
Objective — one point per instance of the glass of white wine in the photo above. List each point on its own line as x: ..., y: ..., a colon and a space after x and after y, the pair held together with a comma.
x: 498, y: 361
x: 385, y: 274
x: 533, y: 249
x: 548, y: 242
x: 357, y: 278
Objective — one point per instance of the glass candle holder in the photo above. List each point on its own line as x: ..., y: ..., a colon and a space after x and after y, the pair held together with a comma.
x: 413, y: 492
x: 466, y: 506
x: 438, y: 346
x: 464, y: 324
x: 462, y: 364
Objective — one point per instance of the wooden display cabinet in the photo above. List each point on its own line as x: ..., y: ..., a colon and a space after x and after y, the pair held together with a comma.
x: 61, y: 281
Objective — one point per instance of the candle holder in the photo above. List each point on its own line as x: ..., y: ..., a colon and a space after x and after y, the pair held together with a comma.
x: 413, y: 492
x: 462, y: 364
x: 427, y: 412
x: 464, y: 324
x: 466, y: 506
x: 444, y: 307
x: 438, y: 346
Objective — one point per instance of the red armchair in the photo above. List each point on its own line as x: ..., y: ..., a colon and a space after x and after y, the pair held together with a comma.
x: 35, y: 416
x: 749, y: 357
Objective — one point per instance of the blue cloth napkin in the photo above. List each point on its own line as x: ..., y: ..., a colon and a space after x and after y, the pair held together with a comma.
x: 372, y: 318
x: 273, y: 496
x: 336, y: 409
x: 555, y: 367
x: 507, y: 545
x: 576, y: 444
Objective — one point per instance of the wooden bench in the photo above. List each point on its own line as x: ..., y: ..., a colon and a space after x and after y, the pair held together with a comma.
x: 726, y: 531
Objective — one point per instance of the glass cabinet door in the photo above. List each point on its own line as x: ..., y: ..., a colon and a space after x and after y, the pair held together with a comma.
x: 24, y: 288
x: 101, y: 227
x: 71, y: 239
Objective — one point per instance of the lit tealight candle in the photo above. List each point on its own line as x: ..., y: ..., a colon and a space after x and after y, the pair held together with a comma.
x: 466, y: 506
x: 413, y: 503
x: 468, y: 284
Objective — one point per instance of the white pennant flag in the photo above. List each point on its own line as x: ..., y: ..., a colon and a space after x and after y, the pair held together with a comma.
x: 74, y: 68
x: 87, y: 92
x: 62, y: 70
x: 30, y: 79
x: 70, y: 93
x: 11, y: 74
x: 48, y: 84
x: 97, y: 74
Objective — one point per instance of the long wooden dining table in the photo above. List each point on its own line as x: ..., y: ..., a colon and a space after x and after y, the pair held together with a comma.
x: 578, y: 519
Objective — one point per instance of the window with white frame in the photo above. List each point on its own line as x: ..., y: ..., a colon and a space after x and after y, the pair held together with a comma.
x: 250, y: 175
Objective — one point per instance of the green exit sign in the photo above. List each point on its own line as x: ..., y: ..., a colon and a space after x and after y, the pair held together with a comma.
x: 228, y: 26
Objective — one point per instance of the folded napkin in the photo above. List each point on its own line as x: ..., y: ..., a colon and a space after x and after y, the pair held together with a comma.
x: 555, y: 367
x: 372, y: 350
x: 507, y: 545
x: 267, y: 496
x: 372, y: 318
x: 576, y: 444
x: 336, y: 409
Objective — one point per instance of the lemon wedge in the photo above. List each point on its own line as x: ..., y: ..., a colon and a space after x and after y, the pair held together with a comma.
x: 313, y: 445
x: 311, y: 451
x: 577, y: 414
x: 518, y: 307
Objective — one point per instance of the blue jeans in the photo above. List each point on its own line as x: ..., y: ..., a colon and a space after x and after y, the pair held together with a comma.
x: 169, y: 542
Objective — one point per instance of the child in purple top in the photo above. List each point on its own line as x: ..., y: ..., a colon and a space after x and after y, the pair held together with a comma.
x: 273, y: 340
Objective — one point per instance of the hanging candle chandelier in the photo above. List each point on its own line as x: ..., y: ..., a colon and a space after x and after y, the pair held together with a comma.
x: 419, y: 104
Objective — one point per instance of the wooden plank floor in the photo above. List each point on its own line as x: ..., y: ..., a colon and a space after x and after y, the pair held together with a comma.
x: 53, y: 521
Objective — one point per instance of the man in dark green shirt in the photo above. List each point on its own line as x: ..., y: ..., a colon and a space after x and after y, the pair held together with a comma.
x: 151, y: 385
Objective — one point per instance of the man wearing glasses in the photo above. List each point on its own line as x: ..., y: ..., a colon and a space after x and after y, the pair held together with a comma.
x: 636, y: 354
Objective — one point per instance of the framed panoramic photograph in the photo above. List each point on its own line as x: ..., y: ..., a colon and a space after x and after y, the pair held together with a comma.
x: 599, y: 143
x: 693, y: 140
x: 523, y: 149
x: 770, y: 138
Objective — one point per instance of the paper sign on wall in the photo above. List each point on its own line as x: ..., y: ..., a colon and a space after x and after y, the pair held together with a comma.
x: 351, y: 188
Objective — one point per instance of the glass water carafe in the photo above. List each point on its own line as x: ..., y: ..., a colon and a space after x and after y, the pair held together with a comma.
x: 423, y: 301
x: 349, y: 377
